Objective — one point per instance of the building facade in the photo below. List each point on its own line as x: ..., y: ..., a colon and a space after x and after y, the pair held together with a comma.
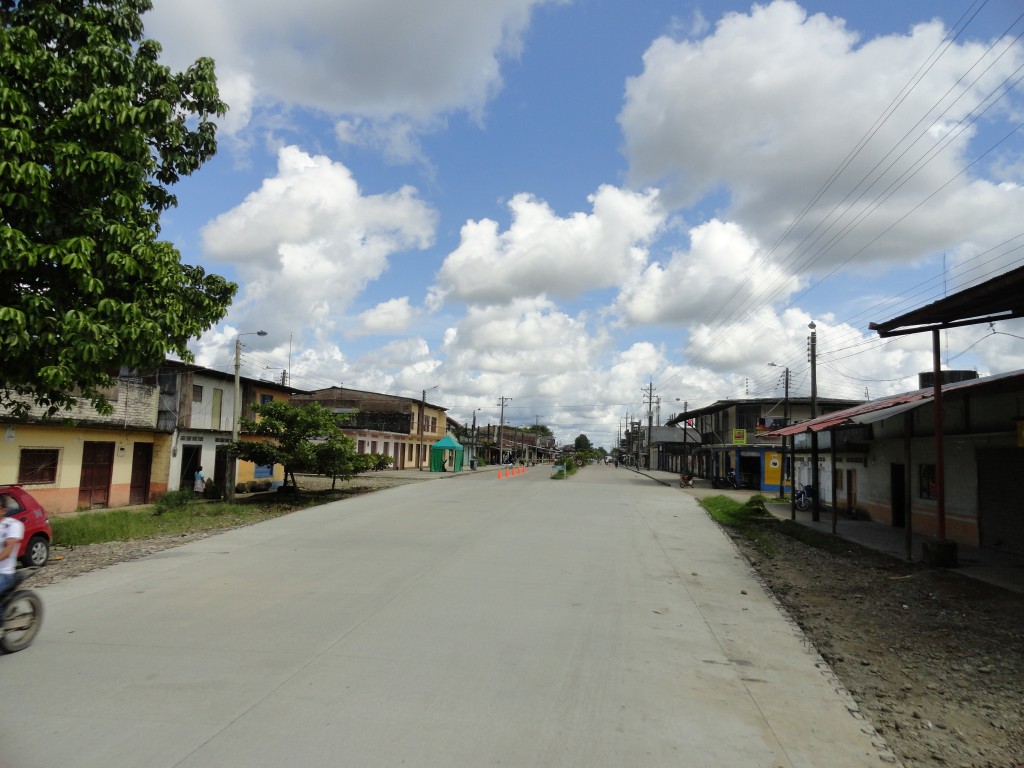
x: 736, y: 436
x: 197, y: 407
x: 86, y: 459
x: 403, y: 428
x: 885, y: 461
x: 163, y: 426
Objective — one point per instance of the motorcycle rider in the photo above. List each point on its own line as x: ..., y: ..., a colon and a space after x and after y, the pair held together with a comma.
x: 12, y: 531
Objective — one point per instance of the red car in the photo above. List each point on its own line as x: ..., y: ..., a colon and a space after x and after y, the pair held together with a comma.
x: 35, y: 547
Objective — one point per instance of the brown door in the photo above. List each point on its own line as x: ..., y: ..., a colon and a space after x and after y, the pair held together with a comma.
x: 142, y: 464
x: 97, y: 466
x: 851, y: 491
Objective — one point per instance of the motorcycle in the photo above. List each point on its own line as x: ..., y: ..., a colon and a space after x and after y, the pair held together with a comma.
x: 22, y: 612
x: 686, y: 481
x: 803, y: 497
x: 729, y: 481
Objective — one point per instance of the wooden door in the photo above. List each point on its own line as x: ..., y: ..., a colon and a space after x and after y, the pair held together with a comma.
x: 97, y: 468
x: 142, y: 466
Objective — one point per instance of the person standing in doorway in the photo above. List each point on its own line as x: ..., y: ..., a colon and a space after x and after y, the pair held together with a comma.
x: 199, y: 483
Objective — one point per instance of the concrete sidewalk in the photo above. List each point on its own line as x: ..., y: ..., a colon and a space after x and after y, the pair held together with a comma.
x: 1002, y: 569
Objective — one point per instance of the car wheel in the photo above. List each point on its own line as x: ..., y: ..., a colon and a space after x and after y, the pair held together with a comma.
x: 37, y: 553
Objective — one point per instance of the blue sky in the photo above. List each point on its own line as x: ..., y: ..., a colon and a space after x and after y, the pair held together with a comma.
x: 565, y: 202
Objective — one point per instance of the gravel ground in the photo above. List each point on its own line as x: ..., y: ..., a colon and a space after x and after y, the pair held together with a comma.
x: 934, y: 659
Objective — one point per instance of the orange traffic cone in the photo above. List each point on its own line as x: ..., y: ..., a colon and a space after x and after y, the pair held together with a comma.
x: 499, y: 474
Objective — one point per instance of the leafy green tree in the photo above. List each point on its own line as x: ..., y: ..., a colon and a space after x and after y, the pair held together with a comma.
x: 93, y: 132
x: 582, y: 443
x: 337, y: 457
x: 305, y: 438
x: 539, y: 429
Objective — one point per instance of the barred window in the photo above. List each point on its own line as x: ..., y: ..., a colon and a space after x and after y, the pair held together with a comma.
x: 38, y: 465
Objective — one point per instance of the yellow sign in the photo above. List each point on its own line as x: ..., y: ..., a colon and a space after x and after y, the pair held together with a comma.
x: 772, y: 468
x: 739, y: 437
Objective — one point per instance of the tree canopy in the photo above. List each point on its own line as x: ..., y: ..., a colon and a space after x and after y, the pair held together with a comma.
x: 93, y: 132
x: 300, y: 438
x: 582, y: 443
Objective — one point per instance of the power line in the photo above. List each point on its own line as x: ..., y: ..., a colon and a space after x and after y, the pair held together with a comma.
x: 762, y: 298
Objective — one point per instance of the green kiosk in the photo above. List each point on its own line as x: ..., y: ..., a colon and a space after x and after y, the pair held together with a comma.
x: 446, y: 455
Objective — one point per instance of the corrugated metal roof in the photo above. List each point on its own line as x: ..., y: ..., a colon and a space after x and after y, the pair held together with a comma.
x: 883, y: 408
x: 1000, y: 298
x: 721, y: 405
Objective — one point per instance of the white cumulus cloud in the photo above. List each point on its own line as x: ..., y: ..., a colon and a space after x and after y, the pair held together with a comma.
x: 388, y: 317
x: 544, y: 254
x: 376, y: 58
x: 762, y: 111
x: 308, y: 241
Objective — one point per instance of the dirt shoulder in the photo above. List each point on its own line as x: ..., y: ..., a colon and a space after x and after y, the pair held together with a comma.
x: 934, y: 659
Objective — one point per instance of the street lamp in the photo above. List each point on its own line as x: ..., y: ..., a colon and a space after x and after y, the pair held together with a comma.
x: 232, y: 468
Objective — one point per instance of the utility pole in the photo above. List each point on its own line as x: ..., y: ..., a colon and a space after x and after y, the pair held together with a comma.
x: 813, y: 352
x: 419, y: 449
x: 686, y: 463
x: 236, y: 407
x: 473, y: 434
x: 502, y: 401
x: 650, y: 420
x: 423, y: 410
x: 792, y: 456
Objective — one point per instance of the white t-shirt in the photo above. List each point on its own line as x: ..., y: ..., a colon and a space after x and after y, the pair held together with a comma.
x: 11, y: 528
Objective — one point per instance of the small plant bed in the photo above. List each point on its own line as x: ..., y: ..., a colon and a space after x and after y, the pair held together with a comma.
x: 562, y: 471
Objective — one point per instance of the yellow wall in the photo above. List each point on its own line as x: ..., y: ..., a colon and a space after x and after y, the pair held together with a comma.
x: 61, y: 497
x: 246, y: 472
x: 430, y: 436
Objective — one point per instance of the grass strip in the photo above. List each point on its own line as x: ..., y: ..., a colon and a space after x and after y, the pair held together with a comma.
x: 181, y: 513
x: 752, y: 520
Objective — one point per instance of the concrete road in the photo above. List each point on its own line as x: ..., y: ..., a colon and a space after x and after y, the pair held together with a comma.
x: 602, y: 620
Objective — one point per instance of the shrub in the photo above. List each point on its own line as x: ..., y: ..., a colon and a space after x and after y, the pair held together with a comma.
x: 173, y: 500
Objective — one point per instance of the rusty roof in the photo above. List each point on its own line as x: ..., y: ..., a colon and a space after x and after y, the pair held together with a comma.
x: 884, y: 407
